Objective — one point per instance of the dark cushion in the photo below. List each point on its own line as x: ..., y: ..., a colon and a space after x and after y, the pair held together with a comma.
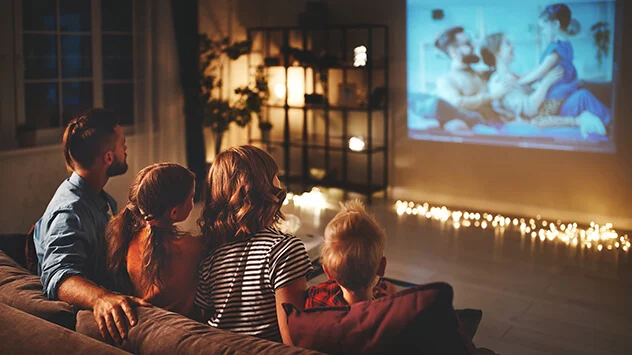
x: 14, y: 245
x: 23, y: 290
x: 22, y: 333
x: 163, y: 332
x: 469, y: 319
x: 419, y: 320
x: 31, y: 261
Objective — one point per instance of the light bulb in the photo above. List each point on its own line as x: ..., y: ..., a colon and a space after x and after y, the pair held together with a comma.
x: 356, y: 144
x: 359, y: 56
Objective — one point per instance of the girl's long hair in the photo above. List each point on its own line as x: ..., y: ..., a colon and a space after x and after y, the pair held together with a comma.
x: 240, y: 198
x: 155, y: 190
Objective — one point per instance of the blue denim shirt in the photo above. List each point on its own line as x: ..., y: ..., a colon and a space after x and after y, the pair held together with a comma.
x: 70, y: 236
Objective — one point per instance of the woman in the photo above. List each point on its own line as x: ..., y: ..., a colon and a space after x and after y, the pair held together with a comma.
x: 527, y: 104
x: 147, y: 256
x: 254, y: 268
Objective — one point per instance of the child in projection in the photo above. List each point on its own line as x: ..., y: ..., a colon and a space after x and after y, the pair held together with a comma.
x: 567, y: 98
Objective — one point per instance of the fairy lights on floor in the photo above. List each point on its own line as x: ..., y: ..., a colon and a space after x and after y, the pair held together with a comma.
x: 597, y: 237
x: 313, y: 199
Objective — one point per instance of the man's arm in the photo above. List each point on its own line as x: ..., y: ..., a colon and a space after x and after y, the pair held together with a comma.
x: 63, y: 262
x: 112, y: 312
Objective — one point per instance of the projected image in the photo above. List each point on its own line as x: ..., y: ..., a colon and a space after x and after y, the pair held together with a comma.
x: 528, y: 73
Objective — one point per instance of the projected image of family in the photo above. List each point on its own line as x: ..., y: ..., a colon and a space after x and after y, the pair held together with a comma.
x: 531, y: 74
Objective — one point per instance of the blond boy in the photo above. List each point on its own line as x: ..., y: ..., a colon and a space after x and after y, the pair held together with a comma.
x: 353, y: 258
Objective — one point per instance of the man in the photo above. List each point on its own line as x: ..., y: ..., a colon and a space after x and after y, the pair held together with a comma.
x: 70, y: 237
x: 462, y: 86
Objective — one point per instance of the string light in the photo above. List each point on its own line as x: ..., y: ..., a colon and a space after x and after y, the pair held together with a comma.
x: 601, y: 237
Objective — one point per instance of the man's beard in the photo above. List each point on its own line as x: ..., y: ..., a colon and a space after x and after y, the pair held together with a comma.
x: 117, y: 168
x: 470, y: 59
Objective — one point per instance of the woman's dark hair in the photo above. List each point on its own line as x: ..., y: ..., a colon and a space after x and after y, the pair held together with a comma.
x: 240, y: 196
x: 155, y: 190
x: 561, y: 13
x: 88, y: 135
x: 490, y: 48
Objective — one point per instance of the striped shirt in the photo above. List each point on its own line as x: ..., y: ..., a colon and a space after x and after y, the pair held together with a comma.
x: 238, y: 281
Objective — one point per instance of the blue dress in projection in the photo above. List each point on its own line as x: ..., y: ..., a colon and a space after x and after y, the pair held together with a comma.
x: 575, y: 99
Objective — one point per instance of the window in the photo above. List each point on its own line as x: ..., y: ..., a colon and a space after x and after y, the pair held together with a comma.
x: 76, y: 54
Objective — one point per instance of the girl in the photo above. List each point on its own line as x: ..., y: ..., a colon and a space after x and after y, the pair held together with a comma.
x: 565, y: 96
x: 147, y: 256
x: 254, y: 268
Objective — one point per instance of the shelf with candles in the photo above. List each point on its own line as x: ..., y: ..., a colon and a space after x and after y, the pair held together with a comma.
x: 339, y: 73
x: 592, y: 236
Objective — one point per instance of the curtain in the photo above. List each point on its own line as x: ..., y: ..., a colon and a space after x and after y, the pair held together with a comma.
x: 159, y: 127
x: 185, y: 23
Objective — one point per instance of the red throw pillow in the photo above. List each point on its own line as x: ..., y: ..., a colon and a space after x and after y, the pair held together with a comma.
x: 418, y: 320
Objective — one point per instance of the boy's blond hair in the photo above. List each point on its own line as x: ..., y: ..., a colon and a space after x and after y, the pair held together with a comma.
x: 353, y: 246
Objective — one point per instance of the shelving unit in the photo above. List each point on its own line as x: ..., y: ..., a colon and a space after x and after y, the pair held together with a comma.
x: 296, y: 140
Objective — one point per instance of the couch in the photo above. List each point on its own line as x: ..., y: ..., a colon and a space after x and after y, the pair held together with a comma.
x: 422, y: 317
x: 33, y: 324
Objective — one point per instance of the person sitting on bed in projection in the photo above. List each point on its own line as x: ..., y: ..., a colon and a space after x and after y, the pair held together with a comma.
x: 529, y: 105
x: 564, y: 97
x: 462, y: 86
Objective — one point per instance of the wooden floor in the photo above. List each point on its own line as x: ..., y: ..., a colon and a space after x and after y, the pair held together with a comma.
x: 537, y: 297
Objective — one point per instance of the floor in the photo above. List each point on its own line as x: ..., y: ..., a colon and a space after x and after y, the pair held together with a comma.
x: 537, y: 297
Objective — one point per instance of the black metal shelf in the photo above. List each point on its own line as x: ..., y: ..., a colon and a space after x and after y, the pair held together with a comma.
x: 336, y: 67
x: 326, y: 107
x: 331, y: 146
x: 338, y: 148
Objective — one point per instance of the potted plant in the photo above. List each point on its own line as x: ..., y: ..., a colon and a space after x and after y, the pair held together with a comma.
x: 26, y: 135
x: 251, y: 99
x: 220, y: 112
x: 601, y: 36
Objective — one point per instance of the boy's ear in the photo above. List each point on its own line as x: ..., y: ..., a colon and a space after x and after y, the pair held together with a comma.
x: 327, y: 273
x: 382, y: 268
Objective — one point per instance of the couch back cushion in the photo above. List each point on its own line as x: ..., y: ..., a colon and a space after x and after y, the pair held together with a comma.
x: 419, y: 320
x: 23, y: 290
x: 26, y: 334
x: 163, y: 332
x: 14, y: 246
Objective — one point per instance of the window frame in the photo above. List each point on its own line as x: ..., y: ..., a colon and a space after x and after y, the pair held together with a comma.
x: 52, y: 135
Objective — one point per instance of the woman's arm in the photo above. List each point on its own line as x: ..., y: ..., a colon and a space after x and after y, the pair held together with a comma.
x: 534, y: 101
x: 293, y: 293
x: 540, y: 71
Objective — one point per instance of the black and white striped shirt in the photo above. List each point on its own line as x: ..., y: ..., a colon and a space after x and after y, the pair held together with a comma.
x: 238, y: 281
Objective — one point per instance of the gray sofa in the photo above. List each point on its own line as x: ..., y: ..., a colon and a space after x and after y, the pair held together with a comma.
x: 33, y: 324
